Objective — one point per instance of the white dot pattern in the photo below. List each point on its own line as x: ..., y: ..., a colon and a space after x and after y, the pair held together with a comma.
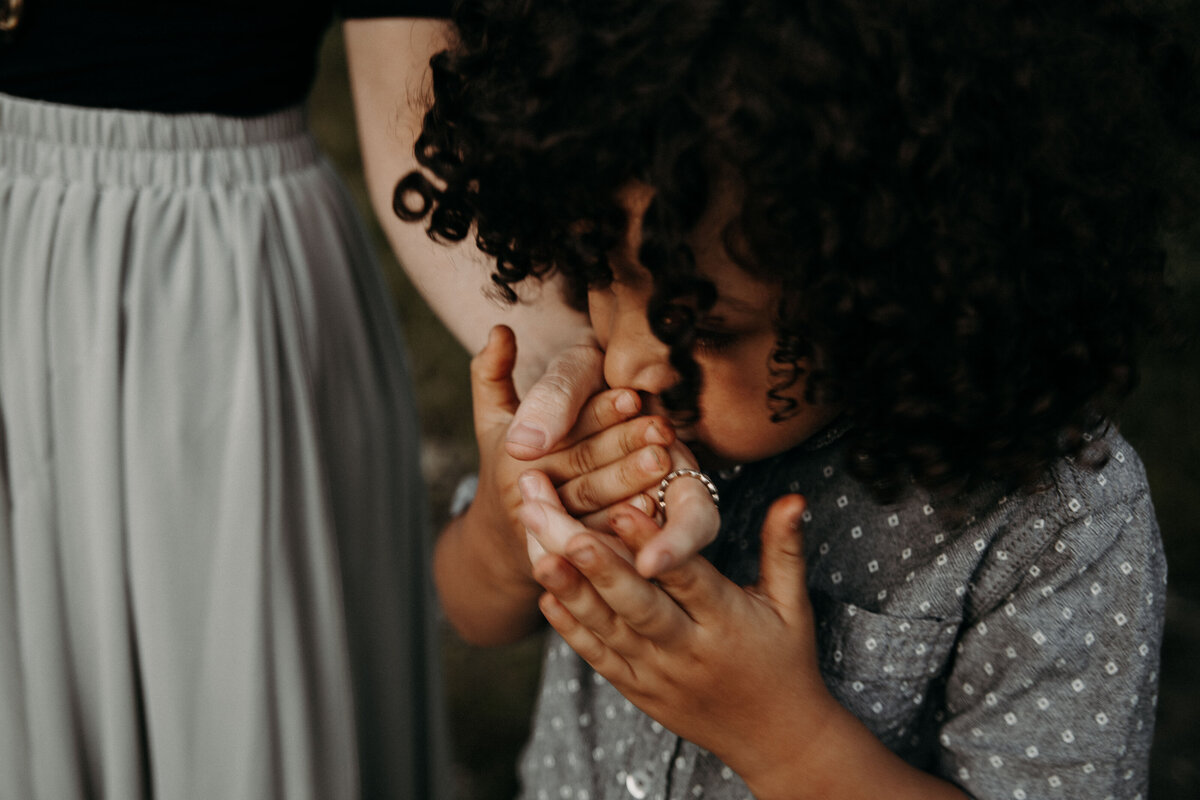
x: 1015, y: 652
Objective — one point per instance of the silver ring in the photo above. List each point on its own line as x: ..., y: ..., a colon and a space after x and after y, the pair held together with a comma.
x: 686, y: 473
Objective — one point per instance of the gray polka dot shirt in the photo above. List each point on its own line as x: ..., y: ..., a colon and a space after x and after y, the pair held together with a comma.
x: 1015, y: 653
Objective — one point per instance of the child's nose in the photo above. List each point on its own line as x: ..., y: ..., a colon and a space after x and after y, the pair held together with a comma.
x: 635, y: 358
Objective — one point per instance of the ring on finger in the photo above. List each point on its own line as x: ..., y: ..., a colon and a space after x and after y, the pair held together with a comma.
x: 686, y: 473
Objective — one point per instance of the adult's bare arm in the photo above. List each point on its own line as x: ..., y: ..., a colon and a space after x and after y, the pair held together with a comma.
x: 390, y: 80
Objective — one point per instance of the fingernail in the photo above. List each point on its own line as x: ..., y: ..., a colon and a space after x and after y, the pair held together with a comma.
x: 619, y: 521
x: 583, y: 556
x: 626, y: 403
x: 527, y: 436
x: 528, y: 486
x: 656, y: 435
x: 642, y: 503
x: 651, y: 459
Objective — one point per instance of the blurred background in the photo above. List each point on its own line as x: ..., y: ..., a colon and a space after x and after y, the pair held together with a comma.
x: 491, y: 691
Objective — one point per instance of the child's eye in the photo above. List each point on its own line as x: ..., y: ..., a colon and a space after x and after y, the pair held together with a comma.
x: 711, y: 341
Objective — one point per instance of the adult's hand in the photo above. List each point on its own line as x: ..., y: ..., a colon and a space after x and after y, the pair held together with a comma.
x: 552, y: 405
x: 481, y: 565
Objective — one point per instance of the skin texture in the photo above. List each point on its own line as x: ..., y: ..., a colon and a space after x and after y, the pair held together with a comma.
x: 557, y: 375
x: 481, y: 565
x: 390, y: 80
x: 735, y: 338
x: 972, y: 282
x: 962, y: 202
x: 692, y: 649
x: 612, y: 455
x: 695, y: 651
x: 559, y: 367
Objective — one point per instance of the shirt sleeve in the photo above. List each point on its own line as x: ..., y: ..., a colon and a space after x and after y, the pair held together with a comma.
x: 1052, y: 693
x: 366, y: 9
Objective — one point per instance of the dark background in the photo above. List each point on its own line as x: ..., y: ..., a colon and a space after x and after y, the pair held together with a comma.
x: 491, y: 691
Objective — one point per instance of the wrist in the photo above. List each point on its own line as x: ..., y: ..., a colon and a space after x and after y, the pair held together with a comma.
x: 843, y: 759
x: 488, y: 598
x: 489, y: 535
x: 786, y: 761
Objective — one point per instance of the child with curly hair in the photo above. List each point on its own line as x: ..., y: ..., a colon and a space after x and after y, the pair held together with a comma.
x: 895, y: 258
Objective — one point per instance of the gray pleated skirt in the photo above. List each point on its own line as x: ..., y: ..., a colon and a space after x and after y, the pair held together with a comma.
x: 213, y: 535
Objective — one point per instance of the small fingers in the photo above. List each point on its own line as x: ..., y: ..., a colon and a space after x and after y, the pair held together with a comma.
x: 692, y: 522
x: 630, y: 475
x: 617, y: 439
x: 590, y: 647
x: 603, y: 520
x: 636, y: 602
x: 604, y: 410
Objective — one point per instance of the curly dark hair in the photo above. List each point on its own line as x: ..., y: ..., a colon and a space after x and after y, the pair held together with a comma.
x: 963, y: 201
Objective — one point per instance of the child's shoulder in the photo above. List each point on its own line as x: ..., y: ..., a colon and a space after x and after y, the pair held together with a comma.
x: 1095, y: 504
x: 1081, y: 519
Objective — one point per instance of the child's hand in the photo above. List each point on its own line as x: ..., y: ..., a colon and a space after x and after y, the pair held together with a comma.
x: 692, y: 520
x: 731, y: 669
x: 608, y: 456
x: 481, y: 567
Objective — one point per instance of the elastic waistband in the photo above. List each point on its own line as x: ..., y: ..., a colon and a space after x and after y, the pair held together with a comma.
x: 104, y: 146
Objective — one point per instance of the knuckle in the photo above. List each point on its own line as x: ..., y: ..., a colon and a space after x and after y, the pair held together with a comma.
x: 478, y: 365
x: 553, y: 389
x: 683, y: 581
x: 591, y: 650
x: 596, y: 413
x: 583, y: 496
x: 581, y: 459
x: 643, y: 618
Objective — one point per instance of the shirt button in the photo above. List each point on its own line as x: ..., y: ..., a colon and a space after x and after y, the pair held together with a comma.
x: 637, y: 783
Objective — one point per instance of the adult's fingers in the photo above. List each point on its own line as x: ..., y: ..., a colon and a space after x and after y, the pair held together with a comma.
x: 552, y: 405
x: 542, y: 514
x: 494, y: 396
x: 590, y: 647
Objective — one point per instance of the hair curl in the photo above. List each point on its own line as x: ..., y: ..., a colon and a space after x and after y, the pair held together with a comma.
x: 962, y: 201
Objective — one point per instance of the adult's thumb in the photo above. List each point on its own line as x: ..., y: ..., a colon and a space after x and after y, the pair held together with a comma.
x: 552, y: 405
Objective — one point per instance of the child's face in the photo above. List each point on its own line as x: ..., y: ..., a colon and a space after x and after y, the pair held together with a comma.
x: 734, y: 340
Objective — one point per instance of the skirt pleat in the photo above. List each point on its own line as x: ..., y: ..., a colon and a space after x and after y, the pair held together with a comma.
x: 213, y: 533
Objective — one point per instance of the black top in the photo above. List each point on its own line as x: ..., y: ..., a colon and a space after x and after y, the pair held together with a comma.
x: 234, y: 57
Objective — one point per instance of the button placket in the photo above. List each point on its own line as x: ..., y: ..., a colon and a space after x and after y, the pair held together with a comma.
x: 637, y: 783
x: 682, y: 769
x: 649, y: 760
